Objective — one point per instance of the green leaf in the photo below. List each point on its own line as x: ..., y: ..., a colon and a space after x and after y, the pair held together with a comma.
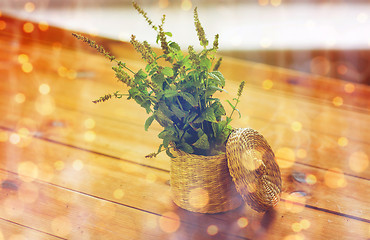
x: 167, y: 71
x: 141, y: 75
x: 186, y: 147
x: 175, y: 46
x: 162, y: 119
x: 168, y: 34
x: 170, y: 93
x: 202, y: 142
x: 216, y: 75
x: 169, y: 153
x: 233, y: 107
x: 189, y: 98
x: 158, y: 79
x: 177, y: 111
x: 209, y: 115
x: 148, y: 122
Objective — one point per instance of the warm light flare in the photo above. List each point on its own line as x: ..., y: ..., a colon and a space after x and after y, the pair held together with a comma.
x: 212, y: 230
x: 118, y: 193
x: 285, y: 157
x: 342, y: 141
x: 186, y: 5
x: 334, y: 178
x: 77, y: 165
x: 28, y: 171
x: 29, y: 7
x: 19, y: 98
x: 43, y: 26
x: 242, y: 222
x: 28, y: 27
x: 337, y: 101
x: 198, y: 198
x: 44, y: 88
x: 349, y: 88
x: 358, y: 161
x: 2, y: 25
x: 169, y: 222
x: 267, y: 84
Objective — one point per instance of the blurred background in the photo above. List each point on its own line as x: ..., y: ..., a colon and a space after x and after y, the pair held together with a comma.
x: 323, y: 37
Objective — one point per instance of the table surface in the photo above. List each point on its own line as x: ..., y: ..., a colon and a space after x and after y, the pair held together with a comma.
x: 72, y: 169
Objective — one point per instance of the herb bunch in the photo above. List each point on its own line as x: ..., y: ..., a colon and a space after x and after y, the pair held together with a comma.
x: 179, y: 93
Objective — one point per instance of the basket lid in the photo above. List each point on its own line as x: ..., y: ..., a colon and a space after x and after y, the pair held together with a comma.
x: 253, y: 168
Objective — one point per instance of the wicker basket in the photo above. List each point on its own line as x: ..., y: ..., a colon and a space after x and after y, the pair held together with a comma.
x: 202, y: 183
x: 253, y: 168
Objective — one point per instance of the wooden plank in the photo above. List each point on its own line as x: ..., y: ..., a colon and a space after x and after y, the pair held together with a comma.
x: 145, y: 189
x: 73, y: 215
x: 110, y: 130
x: 11, y: 230
x: 323, y: 189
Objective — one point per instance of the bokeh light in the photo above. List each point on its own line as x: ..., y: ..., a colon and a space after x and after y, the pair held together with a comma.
x: 311, y: 179
x: 305, y: 224
x: 43, y: 26
x: 198, y: 197
x: 45, y: 105
x: 337, y: 101
x: 169, y: 222
x: 23, y: 58
x: 44, y: 89
x: 342, y: 141
x: 28, y: 171
x: 320, y: 65
x: 212, y: 230
x: 2, y: 25
x: 358, y: 161
x: 296, y: 227
x: 301, y: 153
x: 29, y: 7
x: 118, y: 193
x: 59, y: 165
x: 285, y: 157
x: 296, y: 126
x: 275, y: 3
x: 267, y: 84
x: 89, y: 136
x: 27, y: 67
x: 14, y: 138
x: 89, y: 123
x: 28, y: 27
x: 349, y: 88
x: 186, y: 5
x: 61, y: 226
x: 334, y: 178
x: 342, y: 69
x: 242, y: 222
x: 19, y: 98
x: 77, y: 165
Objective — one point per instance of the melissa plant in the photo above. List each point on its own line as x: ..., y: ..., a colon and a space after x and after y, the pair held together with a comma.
x: 176, y: 89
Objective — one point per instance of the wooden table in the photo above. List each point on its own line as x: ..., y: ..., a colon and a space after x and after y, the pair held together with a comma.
x: 71, y: 169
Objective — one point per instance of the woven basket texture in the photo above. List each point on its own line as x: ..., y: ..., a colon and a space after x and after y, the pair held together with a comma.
x: 202, y: 183
x: 253, y: 168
